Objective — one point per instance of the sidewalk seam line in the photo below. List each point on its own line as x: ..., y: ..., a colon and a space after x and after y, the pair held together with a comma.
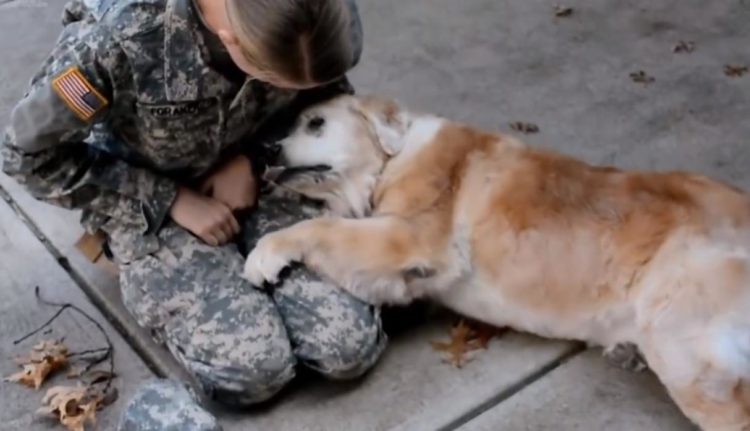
x: 513, y: 389
x: 81, y: 282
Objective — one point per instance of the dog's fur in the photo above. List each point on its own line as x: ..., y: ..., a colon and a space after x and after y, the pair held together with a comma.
x: 422, y: 207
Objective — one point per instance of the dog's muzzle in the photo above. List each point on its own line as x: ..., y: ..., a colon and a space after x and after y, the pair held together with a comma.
x: 281, y: 174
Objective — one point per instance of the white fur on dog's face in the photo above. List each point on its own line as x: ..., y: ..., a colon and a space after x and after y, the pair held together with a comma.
x: 341, y: 135
x: 331, y: 134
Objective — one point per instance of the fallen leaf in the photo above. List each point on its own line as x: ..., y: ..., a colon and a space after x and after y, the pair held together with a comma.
x: 76, y: 372
x: 735, y: 71
x: 44, y: 359
x: 458, y: 346
x: 563, y: 11
x: 522, y: 127
x: 32, y: 375
x: 684, y: 47
x: 484, y: 333
x: 44, y: 349
x: 642, y: 77
x: 466, y: 337
x: 72, y: 406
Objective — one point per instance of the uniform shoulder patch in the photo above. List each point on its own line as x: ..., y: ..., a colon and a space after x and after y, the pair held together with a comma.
x: 78, y: 93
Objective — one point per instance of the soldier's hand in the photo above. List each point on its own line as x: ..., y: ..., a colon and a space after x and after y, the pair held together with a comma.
x: 233, y: 184
x: 207, y: 218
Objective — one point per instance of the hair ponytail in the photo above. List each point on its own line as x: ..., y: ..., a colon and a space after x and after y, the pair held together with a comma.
x: 305, y: 41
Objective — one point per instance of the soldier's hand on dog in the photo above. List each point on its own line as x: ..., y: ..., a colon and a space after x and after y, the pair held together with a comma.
x: 233, y: 184
x: 210, y: 214
x: 209, y: 219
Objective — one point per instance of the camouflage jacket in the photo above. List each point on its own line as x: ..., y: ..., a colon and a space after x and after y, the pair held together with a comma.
x: 126, y: 107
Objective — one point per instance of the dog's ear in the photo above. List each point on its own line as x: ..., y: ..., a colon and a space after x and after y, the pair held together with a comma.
x: 388, y: 121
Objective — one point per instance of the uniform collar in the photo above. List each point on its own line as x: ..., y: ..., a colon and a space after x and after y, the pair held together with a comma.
x: 187, y: 75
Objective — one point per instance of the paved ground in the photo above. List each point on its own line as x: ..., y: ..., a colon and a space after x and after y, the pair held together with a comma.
x: 24, y: 264
x: 489, y: 62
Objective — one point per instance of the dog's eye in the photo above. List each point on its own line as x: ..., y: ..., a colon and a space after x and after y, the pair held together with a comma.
x: 315, y: 124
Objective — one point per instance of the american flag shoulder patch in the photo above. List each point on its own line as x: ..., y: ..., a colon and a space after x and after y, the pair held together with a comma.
x: 78, y: 93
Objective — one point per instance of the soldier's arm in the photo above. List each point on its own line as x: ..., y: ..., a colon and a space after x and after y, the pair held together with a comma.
x: 43, y: 147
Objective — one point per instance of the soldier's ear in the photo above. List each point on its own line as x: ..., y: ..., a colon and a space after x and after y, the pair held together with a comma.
x: 388, y: 121
x: 228, y: 37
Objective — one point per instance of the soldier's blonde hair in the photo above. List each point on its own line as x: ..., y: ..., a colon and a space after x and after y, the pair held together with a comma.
x: 303, y: 41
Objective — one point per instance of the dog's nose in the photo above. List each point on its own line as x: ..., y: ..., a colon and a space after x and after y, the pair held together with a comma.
x: 273, y: 150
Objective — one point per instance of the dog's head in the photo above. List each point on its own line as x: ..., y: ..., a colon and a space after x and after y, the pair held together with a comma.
x: 337, y: 150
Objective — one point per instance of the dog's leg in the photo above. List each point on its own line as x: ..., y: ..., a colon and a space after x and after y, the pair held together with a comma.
x: 372, y: 258
x: 712, y: 396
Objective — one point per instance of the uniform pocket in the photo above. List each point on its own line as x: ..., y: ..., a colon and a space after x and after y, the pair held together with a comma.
x: 177, y: 136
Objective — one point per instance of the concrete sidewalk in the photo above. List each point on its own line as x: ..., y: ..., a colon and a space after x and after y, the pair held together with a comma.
x: 488, y: 62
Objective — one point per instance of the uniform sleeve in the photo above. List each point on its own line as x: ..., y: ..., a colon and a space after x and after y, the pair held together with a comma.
x: 43, y: 146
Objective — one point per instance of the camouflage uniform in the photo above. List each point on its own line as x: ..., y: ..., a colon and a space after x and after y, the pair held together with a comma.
x: 164, y: 405
x: 161, y: 106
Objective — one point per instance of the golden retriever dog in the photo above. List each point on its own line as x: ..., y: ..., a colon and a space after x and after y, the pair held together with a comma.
x: 424, y: 207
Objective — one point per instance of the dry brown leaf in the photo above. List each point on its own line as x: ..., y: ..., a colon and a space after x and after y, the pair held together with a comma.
x: 735, y: 71
x: 642, y: 77
x: 76, y: 372
x: 44, y: 359
x: 73, y: 407
x: 466, y: 337
x: 563, y: 11
x: 484, y: 333
x: 32, y: 375
x: 522, y: 127
x: 458, y: 346
x: 46, y: 348
x: 684, y: 47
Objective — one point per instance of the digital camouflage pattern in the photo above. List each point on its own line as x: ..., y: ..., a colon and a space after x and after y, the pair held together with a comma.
x: 243, y: 344
x: 169, y: 118
x: 165, y: 405
x: 331, y: 331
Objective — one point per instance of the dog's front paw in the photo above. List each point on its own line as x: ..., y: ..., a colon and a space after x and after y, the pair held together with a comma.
x: 266, y: 261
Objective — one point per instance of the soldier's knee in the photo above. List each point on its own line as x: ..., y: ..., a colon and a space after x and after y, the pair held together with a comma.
x: 353, y: 354
x: 241, y: 386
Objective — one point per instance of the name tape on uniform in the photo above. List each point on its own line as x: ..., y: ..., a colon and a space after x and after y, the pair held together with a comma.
x: 78, y: 93
x: 180, y: 109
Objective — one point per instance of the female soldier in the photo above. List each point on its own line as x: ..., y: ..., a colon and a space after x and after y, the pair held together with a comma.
x: 140, y: 117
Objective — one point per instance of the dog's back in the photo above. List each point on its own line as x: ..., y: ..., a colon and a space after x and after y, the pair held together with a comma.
x: 552, y: 245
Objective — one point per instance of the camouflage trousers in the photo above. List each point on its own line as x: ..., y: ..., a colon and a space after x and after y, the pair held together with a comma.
x: 243, y: 344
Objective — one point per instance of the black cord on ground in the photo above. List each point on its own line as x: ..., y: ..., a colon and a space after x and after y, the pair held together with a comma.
x: 108, y: 351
